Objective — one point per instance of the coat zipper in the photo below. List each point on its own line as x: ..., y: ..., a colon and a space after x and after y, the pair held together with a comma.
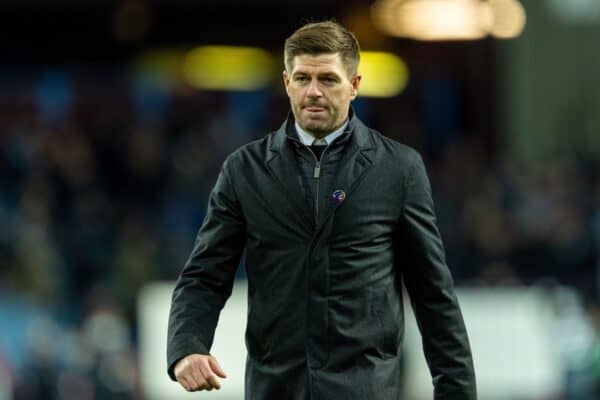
x: 317, y: 175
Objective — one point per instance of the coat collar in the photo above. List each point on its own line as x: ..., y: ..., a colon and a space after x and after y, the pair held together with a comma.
x: 282, y: 163
x: 356, y: 130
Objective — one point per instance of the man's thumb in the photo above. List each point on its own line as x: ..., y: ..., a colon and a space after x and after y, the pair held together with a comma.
x: 214, y: 364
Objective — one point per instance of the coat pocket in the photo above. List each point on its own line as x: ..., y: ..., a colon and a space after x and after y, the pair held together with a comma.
x: 257, y: 342
x: 386, y: 315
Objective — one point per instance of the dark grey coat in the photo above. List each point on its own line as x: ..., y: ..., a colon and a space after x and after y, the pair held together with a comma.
x: 325, y: 314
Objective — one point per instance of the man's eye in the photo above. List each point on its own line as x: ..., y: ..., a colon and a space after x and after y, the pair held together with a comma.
x: 301, y: 78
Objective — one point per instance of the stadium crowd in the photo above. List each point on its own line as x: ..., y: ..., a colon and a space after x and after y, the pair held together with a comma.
x: 104, y: 193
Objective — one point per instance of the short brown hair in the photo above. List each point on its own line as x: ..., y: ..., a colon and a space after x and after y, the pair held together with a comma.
x: 321, y: 38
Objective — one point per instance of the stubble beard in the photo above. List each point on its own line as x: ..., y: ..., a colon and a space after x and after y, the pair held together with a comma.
x: 318, y: 127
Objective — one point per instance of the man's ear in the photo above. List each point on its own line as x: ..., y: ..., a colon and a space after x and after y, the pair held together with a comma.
x: 286, y: 80
x: 355, y: 85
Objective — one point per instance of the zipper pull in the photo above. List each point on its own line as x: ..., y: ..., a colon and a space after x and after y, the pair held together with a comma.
x: 317, y: 170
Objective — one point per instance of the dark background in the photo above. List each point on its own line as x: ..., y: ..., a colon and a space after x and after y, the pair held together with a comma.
x: 104, y: 179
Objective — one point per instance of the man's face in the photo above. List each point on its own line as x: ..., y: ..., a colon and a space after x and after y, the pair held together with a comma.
x: 320, y: 92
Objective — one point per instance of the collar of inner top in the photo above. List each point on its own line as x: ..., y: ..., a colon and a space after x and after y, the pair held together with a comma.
x: 307, y: 139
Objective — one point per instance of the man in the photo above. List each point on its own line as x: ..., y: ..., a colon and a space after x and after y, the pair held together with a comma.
x: 330, y: 231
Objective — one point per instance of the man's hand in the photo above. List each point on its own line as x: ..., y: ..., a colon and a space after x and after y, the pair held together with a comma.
x: 198, y: 372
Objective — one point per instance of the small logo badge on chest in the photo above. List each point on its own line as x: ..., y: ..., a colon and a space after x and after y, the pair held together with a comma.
x: 338, y: 196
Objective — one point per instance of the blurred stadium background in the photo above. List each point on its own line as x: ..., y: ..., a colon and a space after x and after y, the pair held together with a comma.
x: 115, y: 117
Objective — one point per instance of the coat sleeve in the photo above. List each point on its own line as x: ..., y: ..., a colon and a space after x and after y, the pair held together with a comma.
x: 206, y: 281
x: 429, y: 284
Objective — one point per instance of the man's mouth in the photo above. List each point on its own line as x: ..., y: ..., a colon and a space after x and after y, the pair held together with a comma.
x: 315, y: 109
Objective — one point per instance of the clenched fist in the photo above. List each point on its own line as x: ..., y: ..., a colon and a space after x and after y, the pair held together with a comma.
x: 198, y: 372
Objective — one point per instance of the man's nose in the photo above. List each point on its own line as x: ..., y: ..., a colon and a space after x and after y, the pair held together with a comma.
x: 313, y: 89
